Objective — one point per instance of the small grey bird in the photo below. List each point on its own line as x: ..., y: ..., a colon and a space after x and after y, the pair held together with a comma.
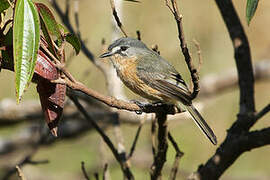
x: 147, y: 74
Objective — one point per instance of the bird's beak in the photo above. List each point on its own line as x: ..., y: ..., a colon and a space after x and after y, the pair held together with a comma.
x: 106, y: 54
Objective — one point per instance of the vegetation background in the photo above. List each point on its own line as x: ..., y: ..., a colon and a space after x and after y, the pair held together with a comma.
x: 203, y: 22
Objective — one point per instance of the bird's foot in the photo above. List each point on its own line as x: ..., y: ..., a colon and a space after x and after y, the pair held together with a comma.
x: 142, y: 105
x: 158, y: 103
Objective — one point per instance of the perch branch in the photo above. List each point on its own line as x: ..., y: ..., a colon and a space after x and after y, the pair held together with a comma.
x: 193, y: 71
x: 211, y: 85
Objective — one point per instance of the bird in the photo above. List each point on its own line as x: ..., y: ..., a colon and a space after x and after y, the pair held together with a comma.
x: 149, y: 75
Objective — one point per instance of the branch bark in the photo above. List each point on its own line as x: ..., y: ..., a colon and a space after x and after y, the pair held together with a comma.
x: 239, y: 139
x: 160, y: 156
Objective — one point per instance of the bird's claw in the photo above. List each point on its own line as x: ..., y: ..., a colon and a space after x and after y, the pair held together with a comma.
x: 139, y: 103
x: 158, y: 103
x: 142, y: 105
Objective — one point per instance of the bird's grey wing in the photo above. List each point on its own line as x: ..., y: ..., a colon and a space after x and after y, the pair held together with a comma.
x: 164, y: 78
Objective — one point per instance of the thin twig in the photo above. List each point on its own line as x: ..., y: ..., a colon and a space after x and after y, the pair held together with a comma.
x: 138, y: 35
x: 125, y: 169
x: 84, y: 171
x: 105, y: 172
x: 6, y: 24
x: 58, y: 64
x: 12, y: 5
x: 178, y: 156
x: 260, y: 114
x: 117, y: 19
x: 193, y: 71
x: 132, y: 149
x: 120, y: 143
x: 96, y: 176
x: 20, y: 173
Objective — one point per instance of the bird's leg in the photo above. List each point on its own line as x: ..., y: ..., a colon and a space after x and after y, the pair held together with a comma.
x: 139, y: 103
x: 158, y: 103
x: 142, y: 105
x: 157, y: 106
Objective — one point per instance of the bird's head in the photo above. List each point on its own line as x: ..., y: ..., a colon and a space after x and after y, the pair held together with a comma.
x: 125, y: 48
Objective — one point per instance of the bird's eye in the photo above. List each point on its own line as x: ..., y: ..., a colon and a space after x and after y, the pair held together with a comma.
x: 123, y: 48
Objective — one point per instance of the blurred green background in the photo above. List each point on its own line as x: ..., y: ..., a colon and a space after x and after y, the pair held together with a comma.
x: 202, y: 22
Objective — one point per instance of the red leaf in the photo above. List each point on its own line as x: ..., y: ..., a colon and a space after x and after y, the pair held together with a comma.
x: 52, y: 97
x: 45, y: 68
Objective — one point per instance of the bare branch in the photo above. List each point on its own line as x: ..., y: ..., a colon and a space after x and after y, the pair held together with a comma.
x: 226, y: 155
x: 193, y: 71
x: 84, y: 171
x: 96, y: 176
x: 242, y: 55
x: 117, y: 19
x: 105, y: 172
x: 132, y: 149
x: 178, y: 156
x: 260, y: 114
x: 238, y: 139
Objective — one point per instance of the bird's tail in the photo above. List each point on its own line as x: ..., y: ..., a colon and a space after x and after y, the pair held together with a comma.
x: 202, y: 124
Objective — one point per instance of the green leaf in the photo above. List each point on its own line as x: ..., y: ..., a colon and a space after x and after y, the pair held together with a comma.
x: 25, y: 44
x: 3, y: 5
x: 49, y: 21
x: 74, y: 41
x: 48, y: 38
x: 251, y: 9
x: 63, y: 29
